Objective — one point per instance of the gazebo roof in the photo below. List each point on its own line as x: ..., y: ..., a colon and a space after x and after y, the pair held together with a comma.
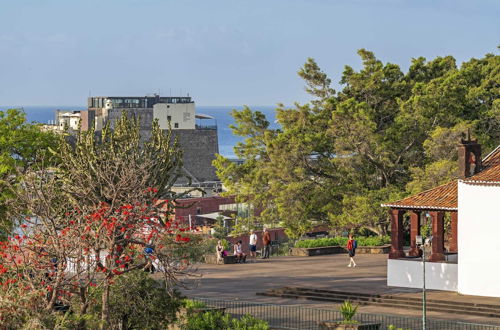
x: 442, y: 197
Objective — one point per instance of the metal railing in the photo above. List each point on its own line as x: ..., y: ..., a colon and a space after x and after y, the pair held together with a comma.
x: 298, y: 317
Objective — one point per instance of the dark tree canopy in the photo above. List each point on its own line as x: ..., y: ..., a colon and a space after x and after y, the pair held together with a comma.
x: 386, y: 134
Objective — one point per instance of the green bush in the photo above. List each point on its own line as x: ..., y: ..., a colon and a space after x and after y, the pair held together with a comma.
x: 222, y: 321
x: 348, y: 311
x: 342, y: 241
x: 136, y: 301
x: 193, y: 304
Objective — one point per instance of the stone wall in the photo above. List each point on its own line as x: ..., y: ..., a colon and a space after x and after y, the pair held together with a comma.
x: 199, y: 148
x: 199, y: 145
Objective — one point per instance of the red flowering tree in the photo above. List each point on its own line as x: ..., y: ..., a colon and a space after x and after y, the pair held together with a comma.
x: 102, y: 213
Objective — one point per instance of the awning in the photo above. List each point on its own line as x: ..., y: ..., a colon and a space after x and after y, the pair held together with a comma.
x: 213, y: 216
x: 203, y: 116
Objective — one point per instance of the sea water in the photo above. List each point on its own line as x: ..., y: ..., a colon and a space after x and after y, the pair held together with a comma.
x: 221, y: 114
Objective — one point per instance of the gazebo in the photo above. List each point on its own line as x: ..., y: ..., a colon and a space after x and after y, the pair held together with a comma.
x: 403, y: 268
x: 433, y: 203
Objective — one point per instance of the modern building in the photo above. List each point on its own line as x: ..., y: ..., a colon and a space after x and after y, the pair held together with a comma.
x: 197, y: 139
x: 468, y: 259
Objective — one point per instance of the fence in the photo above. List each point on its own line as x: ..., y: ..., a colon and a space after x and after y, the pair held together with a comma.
x: 297, y: 317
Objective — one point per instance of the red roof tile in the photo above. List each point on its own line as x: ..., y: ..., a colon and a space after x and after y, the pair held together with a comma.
x: 443, y: 197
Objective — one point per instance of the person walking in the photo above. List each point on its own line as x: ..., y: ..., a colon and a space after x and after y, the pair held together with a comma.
x: 253, y: 245
x: 266, y: 240
x: 351, y: 248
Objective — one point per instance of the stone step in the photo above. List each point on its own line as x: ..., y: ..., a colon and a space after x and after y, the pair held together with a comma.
x: 388, y: 296
x: 467, y: 307
x: 384, y: 304
x: 392, y: 301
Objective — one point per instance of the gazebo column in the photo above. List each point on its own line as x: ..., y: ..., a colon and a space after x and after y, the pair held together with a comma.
x: 454, y: 232
x: 414, y: 232
x: 437, y: 236
x: 396, y: 234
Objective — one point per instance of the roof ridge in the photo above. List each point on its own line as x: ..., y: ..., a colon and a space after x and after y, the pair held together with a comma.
x: 494, y: 151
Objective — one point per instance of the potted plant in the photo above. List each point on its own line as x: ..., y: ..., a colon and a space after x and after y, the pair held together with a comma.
x: 348, y: 311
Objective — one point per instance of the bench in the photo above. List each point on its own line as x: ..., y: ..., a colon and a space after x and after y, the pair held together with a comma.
x: 212, y: 259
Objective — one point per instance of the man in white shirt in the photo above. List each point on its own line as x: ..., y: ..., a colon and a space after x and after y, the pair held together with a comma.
x: 253, y: 245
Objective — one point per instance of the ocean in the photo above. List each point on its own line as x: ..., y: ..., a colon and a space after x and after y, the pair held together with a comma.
x: 222, y: 115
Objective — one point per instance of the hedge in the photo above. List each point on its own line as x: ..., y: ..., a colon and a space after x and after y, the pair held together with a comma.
x: 342, y: 241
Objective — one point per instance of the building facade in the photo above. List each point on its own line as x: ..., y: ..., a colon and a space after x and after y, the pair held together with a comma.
x: 198, y: 141
x: 468, y: 259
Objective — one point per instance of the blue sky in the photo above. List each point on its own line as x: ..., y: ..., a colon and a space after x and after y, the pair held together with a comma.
x: 231, y: 52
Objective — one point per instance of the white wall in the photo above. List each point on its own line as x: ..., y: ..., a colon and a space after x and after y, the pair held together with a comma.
x: 408, y: 274
x: 68, y: 119
x: 478, y: 239
x: 181, y: 113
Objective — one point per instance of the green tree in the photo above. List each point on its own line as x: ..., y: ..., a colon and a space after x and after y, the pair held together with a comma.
x: 21, y: 145
x: 387, y: 133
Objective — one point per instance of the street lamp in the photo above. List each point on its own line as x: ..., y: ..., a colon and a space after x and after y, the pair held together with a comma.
x: 422, y: 243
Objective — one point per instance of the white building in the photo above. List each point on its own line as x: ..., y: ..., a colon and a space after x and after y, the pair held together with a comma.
x: 67, y: 119
x: 478, y: 230
x: 468, y: 259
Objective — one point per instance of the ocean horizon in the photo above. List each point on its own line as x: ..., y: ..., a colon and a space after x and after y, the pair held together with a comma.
x: 222, y: 116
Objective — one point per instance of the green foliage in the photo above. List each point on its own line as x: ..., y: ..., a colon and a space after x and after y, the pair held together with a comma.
x: 219, y: 320
x: 137, y: 301
x: 342, y: 241
x: 117, y: 165
x: 348, y: 311
x: 193, y: 250
x: 393, y: 327
x: 220, y: 231
x: 21, y: 145
x: 70, y: 320
x: 193, y: 304
x: 385, y: 135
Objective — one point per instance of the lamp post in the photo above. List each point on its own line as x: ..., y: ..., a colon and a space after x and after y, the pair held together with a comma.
x: 420, y: 242
x: 423, y: 243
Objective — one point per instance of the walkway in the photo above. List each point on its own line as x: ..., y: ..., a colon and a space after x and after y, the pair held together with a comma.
x: 243, y: 281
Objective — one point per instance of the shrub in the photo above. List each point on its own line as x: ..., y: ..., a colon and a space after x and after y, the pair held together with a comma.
x: 219, y: 320
x: 193, y: 304
x: 137, y: 301
x: 342, y: 241
x: 348, y: 311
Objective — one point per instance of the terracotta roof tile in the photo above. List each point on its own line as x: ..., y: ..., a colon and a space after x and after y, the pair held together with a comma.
x: 443, y: 197
x: 490, y: 173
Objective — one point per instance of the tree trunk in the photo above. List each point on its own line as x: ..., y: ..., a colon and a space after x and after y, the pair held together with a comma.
x: 105, y: 306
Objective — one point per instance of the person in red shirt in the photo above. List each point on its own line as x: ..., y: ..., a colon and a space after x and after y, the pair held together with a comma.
x: 266, y: 240
x: 351, y: 249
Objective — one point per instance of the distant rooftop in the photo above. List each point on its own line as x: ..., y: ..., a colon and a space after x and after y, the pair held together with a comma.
x: 135, y: 101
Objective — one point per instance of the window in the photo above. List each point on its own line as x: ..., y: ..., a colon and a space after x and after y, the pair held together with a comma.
x: 176, y: 125
x: 169, y: 118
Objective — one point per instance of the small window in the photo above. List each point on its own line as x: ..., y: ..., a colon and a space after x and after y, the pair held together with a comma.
x: 176, y: 125
x: 169, y: 118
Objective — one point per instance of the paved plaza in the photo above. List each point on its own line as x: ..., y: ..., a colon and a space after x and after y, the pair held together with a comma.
x: 243, y: 281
